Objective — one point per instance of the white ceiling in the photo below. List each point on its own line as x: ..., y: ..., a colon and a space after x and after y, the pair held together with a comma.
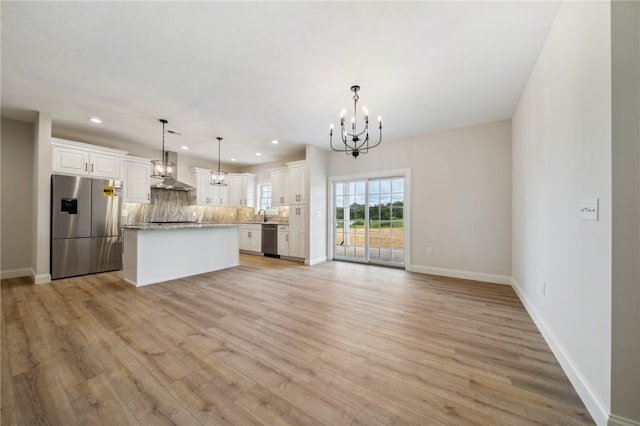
x: 252, y: 72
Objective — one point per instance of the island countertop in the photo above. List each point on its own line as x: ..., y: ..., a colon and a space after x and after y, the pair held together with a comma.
x: 182, y: 225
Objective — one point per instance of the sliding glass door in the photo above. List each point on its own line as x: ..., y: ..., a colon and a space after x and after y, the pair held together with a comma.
x: 369, y: 220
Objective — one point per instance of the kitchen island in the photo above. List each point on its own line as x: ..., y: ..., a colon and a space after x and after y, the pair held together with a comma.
x: 155, y: 253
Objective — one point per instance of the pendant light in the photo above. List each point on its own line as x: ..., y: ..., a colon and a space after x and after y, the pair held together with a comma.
x: 219, y: 178
x: 355, y: 143
x: 163, y: 169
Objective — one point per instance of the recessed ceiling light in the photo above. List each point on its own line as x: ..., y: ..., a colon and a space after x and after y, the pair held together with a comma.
x: 233, y: 159
x: 275, y: 142
x: 95, y: 120
x: 258, y: 154
x: 185, y: 147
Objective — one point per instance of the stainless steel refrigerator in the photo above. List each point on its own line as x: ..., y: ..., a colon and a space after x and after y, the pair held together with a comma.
x: 86, y: 235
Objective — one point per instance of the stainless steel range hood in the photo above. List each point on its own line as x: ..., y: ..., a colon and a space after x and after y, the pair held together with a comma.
x: 172, y: 184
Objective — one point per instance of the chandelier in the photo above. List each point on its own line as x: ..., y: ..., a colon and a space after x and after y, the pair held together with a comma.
x: 355, y: 143
x: 163, y: 169
x: 218, y: 178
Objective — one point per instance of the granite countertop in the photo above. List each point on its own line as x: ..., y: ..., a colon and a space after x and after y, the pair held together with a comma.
x: 269, y: 222
x: 187, y: 225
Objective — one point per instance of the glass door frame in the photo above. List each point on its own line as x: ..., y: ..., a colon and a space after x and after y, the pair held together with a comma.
x: 331, y: 220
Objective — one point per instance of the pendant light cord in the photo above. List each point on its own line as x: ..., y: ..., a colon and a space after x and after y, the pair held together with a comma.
x: 219, y: 139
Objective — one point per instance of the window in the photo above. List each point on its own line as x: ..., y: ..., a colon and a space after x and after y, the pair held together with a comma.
x: 369, y: 220
x: 264, y: 192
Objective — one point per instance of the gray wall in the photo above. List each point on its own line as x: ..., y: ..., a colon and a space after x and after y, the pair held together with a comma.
x: 16, y: 197
x: 625, y: 348
x: 460, y: 197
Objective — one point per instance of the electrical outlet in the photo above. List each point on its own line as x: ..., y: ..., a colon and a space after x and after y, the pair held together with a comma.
x: 429, y: 251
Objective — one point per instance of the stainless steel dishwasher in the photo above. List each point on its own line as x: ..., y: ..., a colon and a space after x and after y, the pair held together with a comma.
x: 270, y: 240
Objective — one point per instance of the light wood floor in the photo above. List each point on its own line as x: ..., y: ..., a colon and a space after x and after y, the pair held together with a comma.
x: 274, y: 342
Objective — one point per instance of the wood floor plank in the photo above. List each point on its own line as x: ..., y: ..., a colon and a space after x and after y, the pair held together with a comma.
x: 40, y: 398
x: 271, y: 409
x: 276, y: 342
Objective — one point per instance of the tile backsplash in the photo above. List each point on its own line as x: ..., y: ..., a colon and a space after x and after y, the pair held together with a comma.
x: 168, y: 206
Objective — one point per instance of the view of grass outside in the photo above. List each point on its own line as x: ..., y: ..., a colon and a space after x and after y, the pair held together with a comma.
x: 381, y: 202
x: 386, y: 225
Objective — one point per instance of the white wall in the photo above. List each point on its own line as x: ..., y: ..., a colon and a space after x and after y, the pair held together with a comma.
x: 460, y: 197
x: 16, y: 198
x: 625, y: 347
x: 562, y: 154
x: 317, y: 202
x: 41, y: 214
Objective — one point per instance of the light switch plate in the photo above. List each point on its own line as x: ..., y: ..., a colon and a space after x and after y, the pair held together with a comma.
x: 589, y: 209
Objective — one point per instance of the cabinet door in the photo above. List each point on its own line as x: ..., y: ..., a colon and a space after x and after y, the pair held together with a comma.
x: 249, y: 190
x: 277, y: 198
x: 69, y: 161
x: 223, y: 195
x: 251, y: 238
x: 241, y: 190
x: 280, y: 188
x: 203, y: 189
x: 297, y: 231
x: 104, y: 165
x: 244, y: 239
x: 283, y: 241
x: 235, y: 191
x: 136, y: 181
x: 256, y: 240
x: 286, y: 188
x: 219, y: 195
x: 297, y: 181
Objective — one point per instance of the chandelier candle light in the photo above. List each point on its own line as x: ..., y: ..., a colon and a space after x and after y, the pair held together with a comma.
x: 219, y: 178
x: 355, y: 143
x: 163, y: 169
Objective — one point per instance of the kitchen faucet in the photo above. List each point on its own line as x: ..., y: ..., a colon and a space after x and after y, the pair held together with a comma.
x: 265, y: 214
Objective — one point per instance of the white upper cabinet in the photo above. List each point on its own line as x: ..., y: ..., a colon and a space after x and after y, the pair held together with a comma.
x: 136, y: 180
x: 207, y: 194
x: 69, y: 161
x: 204, y: 193
x: 219, y: 195
x: 297, y: 182
x: 104, y: 165
x: 280, y: 186
x: 75, y: 158
x: 242, y: 189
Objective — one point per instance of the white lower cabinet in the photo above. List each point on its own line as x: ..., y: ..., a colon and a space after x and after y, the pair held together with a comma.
x: 251, y: 238
x: 297, y: 231
x: 283, y: 240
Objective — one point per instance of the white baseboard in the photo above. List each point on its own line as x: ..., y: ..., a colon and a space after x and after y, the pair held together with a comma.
x: 467, y: 275
x: 15, y: 273
x: 40, y: 279
x: 315, y: 261
x: 582, y: 386
x: 621, y: 421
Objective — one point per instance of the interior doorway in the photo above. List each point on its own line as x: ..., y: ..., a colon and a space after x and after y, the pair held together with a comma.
x: 369, y: 220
